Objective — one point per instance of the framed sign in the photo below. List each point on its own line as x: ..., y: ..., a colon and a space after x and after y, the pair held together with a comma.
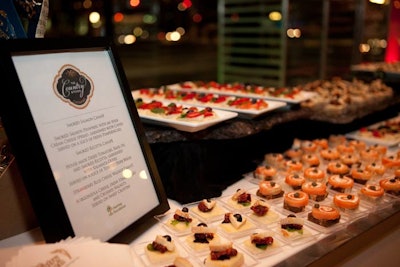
x: 79, y: 144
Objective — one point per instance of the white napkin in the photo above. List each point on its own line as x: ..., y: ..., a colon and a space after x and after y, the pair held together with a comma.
x: 74, y: 252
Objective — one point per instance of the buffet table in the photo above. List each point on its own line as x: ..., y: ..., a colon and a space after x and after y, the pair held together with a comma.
x: 326, y: 249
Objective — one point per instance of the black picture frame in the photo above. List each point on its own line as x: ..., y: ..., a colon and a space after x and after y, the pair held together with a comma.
x: 28, y: 145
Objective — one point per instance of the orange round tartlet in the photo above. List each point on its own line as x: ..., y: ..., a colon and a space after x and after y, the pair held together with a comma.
x: 310, y: 160
x: 314, y: 174
x: 315, y: 190
x: 295, y: 201
x: 294, y: 166
x: 276, y: 160
x: 350, y: 160
x: 324, y: 215
x: 329, y: 154
x: 376, y: 168
x: 308, y: 147
x: 295, y: 180
x: 269, y: 190
x: 345, y: 148
x: 346, y: 201
x: 360, y: 176
x: 335, y: 140
x: 381, y: 149
x: 391, y: 185
x: 321, y: 143
x: 337, y: 168
x: 340, y: 183
x: 391, y: 162
x: 369, y: 155
x: 294, y: 153
x: 372, y: 192
x: 265, y: 172
x: 358, y: 144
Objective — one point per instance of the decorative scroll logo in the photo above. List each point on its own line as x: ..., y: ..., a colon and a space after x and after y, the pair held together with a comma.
x: 73, y: 86
x: 60, y: 257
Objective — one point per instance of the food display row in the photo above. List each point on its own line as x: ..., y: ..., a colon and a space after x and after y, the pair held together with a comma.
x: 291, y: 200
x: 326, y: 99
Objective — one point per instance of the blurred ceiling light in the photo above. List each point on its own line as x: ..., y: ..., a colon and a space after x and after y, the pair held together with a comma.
x: 118, y: 17
x: 180, y: 30
x: 293, y: 33
x: 149, y: 19
x: 173, y: 36
x: 87, y: 4
x: 134, y: 3
x: 275, y: 16
x: 129, y: 39
x: 364, y: 48
x: 197, y: 18
x: 94, y: 17
x: 137, y: 31
x: 379, y: 2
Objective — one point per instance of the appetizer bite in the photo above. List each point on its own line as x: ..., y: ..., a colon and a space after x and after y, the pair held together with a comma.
x: 291, y: 226
x: 372, y: 192
x: 391, y: 185
x: 235, y: 222
x: 346, y: 201
x: 201, y: 236
x: 223, y: 254
x: 181, y: 220
x: 208, y: 209
x: 295, y: 181
x: 324, y: 215
x: 269, y: 190
x: 240, y: 199
x: 316, y: 191
x: 340, y: 183
x: 162, y: 249
x: 295, y: 201
x: 266, y: 172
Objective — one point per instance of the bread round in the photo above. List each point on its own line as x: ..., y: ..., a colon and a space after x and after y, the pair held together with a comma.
x: 235, y: 261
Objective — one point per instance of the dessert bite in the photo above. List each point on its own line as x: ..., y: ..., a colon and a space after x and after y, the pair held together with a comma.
x: 346, y: 201
x: 295, y: 180
x: 372, y: 192
x: 266, y: 172
x: 340, y: 183
x: 208, y: 209
x: 162, y: 249
x: 291, y: 226
x: 223, y: 254
x: 391, y: 185
x: 295, y: 201
x: 324, y: 215
x: 201, y: 236
x: 269, y: 190
x: 316, y: 191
